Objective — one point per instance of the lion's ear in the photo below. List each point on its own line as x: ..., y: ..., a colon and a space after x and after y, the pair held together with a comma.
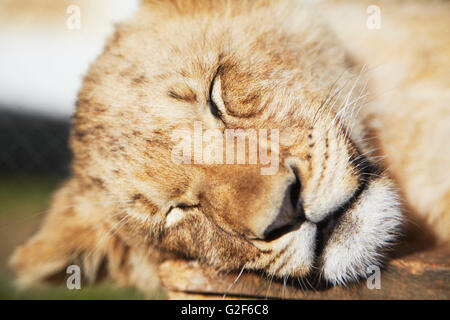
x: 70, y: 234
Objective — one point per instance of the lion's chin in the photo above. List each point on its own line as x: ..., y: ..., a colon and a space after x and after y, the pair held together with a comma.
x: 363, y: 234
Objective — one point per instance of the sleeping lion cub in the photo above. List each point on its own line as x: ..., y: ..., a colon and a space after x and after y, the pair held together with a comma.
x: 344, y: 129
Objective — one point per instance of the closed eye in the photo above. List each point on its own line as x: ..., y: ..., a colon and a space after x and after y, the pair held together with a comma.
x: 214, y: 110
x: 187, y: 206
x: 216, y: 104
x: 178, y: 213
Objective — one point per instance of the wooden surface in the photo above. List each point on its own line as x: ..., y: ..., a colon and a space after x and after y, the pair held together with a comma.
x: 423, y: 275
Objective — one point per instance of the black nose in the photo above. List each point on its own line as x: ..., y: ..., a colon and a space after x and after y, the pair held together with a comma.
x: 291, y: 214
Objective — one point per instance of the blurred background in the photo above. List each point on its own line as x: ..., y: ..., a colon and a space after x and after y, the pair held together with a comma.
x: 46, y: 46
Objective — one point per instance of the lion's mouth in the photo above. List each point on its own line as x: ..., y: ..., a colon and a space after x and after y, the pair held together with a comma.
x: 325, y: 229
x: 328, y: 226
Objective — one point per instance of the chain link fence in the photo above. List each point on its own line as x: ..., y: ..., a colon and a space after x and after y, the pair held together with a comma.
x: 33, y: 145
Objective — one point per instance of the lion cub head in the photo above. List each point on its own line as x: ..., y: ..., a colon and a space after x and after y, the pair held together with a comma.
x: 226, y: 132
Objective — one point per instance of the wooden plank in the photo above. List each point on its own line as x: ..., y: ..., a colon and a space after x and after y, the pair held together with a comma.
x: 423, y: 275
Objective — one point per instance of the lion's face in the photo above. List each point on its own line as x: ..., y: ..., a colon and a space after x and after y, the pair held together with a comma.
x: 304, y: 197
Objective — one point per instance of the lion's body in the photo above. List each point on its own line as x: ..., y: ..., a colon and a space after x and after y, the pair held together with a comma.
x: 129, y: 205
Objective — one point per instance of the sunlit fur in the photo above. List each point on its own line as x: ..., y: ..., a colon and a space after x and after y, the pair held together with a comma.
x: 128, y: 205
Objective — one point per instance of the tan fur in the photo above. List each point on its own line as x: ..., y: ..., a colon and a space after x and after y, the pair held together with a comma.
x: 409, y: 58
x: 277, y: 67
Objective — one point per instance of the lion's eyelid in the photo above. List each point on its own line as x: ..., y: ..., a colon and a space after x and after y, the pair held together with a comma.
x: 178, y: 212
x: 174, y: 216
